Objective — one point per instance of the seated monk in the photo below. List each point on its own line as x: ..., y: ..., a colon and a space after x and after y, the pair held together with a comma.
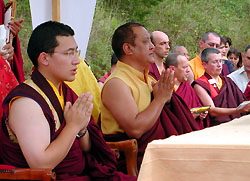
x: 45, y: 124
x: 127, y: 110
x: 179, y: 63
x: 220, y: 93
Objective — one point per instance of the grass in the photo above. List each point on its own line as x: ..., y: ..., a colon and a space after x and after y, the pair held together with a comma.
x: 183, y: 20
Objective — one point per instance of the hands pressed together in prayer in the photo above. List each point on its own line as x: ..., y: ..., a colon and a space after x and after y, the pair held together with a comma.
x: 163, y: 88
x: 79, y: 113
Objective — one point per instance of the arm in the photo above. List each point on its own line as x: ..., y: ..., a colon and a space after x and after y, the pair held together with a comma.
x: 216, y: 111
x: 117, y: 98
x: 29, y: 122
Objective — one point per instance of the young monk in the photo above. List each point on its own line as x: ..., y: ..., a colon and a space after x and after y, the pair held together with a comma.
x: 45, y: 124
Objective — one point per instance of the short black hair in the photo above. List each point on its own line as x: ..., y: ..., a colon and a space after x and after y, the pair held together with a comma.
x: 43, y: 39
x: 172, y: 59
x: 123, y: 34
x: 246, y: 49
x: 206, y: 52
x: 114, y: 59
x: 204, y: 37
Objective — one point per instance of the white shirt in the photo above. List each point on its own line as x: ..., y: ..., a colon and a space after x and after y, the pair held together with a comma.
x: 239, y: 77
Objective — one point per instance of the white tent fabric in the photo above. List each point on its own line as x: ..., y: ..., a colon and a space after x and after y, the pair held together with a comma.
x: 77, y: 13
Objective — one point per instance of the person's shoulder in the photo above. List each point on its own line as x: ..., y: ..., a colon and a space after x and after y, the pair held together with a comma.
x: 24, y: 106
x: 237, y: 73
x: 114, y: 83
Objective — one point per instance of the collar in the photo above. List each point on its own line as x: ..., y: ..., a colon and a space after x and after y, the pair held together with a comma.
x: 142, y: 76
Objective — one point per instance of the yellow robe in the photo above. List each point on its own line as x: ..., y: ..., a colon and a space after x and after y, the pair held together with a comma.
x: 197, y: 67
x: 85, y: 81
x: 140, y: 86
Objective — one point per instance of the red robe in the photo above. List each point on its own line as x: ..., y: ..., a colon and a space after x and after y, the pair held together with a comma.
x: 17, y: 62
x: 229, y: 96
x: 97, y: 164
x: 187, y: 93
x: 103, y: 78
x: 175, y: 119
x: 7, y: 82
x: 247, y: 91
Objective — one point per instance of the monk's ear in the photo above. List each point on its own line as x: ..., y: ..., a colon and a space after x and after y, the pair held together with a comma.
x: 127, y: 48
x: 43, y: 59
x: 204, y: 64
x: 201, y: 43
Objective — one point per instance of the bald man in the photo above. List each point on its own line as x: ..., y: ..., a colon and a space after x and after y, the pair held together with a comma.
x: 161, y: 43
x: 182, y: 50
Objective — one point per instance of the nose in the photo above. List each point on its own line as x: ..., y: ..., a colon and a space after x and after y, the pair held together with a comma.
x: 167, y: 46
x: 151, y: 46
x: 76, y: 60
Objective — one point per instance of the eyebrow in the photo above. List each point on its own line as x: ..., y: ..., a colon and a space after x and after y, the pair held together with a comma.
x: 72, y: 49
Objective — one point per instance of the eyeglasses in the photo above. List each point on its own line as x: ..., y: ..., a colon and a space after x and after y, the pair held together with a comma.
x: 71, y: 53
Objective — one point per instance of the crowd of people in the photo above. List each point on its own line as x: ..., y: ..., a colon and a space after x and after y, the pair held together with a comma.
x: 147, y: 95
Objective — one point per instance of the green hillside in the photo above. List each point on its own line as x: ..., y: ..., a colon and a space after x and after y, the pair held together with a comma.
x: 183, y: 20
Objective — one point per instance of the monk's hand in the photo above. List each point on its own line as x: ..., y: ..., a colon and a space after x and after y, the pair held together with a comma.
x: 15, y: 26
x: 203, y: 115
x: 246, y: 108
x: 195, y: 115
x: 163, y: 88
x: 7, y: 52
x: 79, y: 113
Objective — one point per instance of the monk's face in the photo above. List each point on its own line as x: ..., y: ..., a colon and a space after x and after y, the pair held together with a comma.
x: 62, y: 63
x: 211, y: 42
x: 214, y: 65
x: 182, y: 70
x: 143, y: 50
x: 246, y: 60
x: 161, y: 42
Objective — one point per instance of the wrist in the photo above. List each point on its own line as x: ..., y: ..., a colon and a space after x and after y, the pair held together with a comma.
x: 82, y: 133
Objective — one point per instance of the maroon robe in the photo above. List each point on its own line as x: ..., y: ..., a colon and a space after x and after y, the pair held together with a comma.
x: 103, y: 78
x: 229, y: 96
x: 17, y: 62
x: 187, y: 93
x: 97, y: 164
x: 247, y: 91
x: 175, y: 119
x: 225, y: 70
